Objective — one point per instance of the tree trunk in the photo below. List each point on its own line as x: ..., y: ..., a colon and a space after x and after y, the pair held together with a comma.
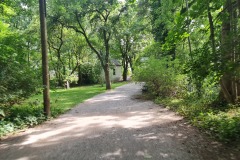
x: 228, y: 80
x: 234, y: 43
x: 212, y: 32
x: 238, y: 45
x: 79, y: 75
x: 125, y: 71
x: 46, y: 86
x: 107, y: 49
x: 125, y: 68
x: 188, y: 28
x: 104, y: 59
x: 130, y: 60
x: 107, y: 76
x: 225, y: 82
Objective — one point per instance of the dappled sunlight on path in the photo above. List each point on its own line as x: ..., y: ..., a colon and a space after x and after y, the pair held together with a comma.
x: 113, y: 125
x: 85, y: 125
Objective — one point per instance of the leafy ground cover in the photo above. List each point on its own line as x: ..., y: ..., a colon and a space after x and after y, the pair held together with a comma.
x: 200, y: 103
x: 221, y: 122
x: 30, y: 111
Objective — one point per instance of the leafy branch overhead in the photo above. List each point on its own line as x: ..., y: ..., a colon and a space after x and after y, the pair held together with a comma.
x: 182, y: 49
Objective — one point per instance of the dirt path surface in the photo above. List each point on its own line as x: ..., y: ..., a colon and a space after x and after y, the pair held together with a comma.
x: 115, y: 125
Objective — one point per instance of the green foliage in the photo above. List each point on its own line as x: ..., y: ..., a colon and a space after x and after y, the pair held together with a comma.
x: 95, y: 20
x: 155, y: 49
x: 181, y: 29
x: 90, y: 73
x: 222, y: 124
x: 15, y: 84
x: 203, y: 46
x: 161, y: 76
x: 6, y: 127
x: 17, y: 79
x: 19, y: 117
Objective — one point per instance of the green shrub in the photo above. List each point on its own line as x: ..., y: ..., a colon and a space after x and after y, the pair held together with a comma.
x: 16, y: 85
x: 224, y: 125
x: 90, y: 73
x: 6, y: 127
x: 161, y: 77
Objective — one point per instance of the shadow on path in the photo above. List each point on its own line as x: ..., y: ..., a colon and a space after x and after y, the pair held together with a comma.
x: 114, y: 125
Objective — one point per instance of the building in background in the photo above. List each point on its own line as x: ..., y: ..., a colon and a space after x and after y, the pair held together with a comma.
x: 115, y: 71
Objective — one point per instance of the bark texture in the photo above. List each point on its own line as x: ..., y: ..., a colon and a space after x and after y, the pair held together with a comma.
x: 45, y: 72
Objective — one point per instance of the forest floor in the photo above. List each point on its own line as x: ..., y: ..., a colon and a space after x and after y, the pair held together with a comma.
x: 116, y: 125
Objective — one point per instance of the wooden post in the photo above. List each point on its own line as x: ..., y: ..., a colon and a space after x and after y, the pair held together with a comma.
x: 45, y: 72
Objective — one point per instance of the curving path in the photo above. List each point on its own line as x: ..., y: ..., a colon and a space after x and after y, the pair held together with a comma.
x: 115, y: 125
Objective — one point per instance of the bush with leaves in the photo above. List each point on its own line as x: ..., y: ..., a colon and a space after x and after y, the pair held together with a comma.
x: 16, y: 84
x: 224, y: 125
x: 18, y: 79
x: 22, y: 117
x: 162, y: 77
x: 90, y: 73
x: 221, y: 122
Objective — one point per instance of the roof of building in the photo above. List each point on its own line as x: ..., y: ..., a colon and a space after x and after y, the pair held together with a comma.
x: 115, y: 62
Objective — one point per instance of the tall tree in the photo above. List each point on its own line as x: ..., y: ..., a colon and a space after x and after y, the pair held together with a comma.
x: 56, y: 43
x: 214, y: 49
x: 161, y: 21
x: 94, y: 20
x: 130, y: 33
x: 230, y: 86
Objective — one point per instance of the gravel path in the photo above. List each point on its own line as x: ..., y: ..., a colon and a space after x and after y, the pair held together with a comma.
x: 115, y: 125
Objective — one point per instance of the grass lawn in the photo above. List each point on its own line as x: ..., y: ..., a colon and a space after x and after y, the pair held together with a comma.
x: 30, y: 112
x: 65, y: 99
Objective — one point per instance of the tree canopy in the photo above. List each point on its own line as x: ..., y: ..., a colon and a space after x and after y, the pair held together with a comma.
x: 180, y: 48
x: 200, y: 34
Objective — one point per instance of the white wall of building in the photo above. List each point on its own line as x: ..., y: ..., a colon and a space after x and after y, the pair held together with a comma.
x: 117, y: 76
x: 114, y: 77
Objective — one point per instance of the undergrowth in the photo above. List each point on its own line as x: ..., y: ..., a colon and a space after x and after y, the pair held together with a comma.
x: 221, y: 122
x: 30, y: 112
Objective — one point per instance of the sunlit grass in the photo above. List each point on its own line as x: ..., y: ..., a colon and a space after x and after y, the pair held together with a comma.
x: 65, y: 99
x: 30, y: 111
